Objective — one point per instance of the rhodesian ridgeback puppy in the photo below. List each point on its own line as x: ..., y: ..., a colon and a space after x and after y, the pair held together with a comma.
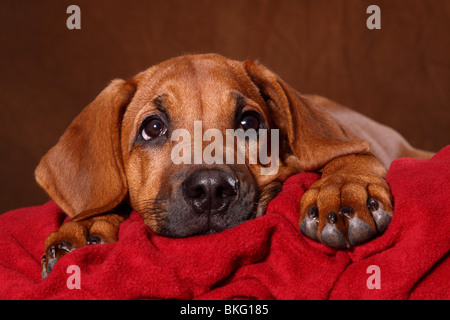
x: 116, y: 156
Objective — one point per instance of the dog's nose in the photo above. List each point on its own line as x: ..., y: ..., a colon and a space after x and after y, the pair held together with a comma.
x: 210, y: 191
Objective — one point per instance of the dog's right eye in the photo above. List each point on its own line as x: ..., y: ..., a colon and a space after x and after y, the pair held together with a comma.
x: 153, y: 128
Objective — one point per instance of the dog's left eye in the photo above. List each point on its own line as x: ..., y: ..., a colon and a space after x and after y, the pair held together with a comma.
x: 249, y: 120
x: 153, y: 128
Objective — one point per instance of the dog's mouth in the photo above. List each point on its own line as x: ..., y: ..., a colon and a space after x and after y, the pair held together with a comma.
x: 199, y: 228
x: 208, y: 201
x: 187, y: 224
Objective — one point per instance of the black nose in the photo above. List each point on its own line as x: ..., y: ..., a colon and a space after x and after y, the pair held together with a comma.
x: 210, y: 191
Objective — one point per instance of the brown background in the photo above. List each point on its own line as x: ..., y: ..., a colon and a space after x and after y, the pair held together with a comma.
x: 398, y: 75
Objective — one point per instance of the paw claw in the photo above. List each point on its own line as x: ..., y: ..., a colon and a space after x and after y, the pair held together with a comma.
x: 381, y: 217
x: 332, y: 237
x: 382, y: 220
x: 372, y: 204
x: 52, y: 252
x: 309, y: 225
x: 313, y: 213
x: 94, y: 239
x: 65, y: 246
x: 347, y: 212
x: 359, y: 231
x: 332, y: 217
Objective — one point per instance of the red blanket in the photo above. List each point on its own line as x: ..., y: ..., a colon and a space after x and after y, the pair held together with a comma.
x: 266, y: 258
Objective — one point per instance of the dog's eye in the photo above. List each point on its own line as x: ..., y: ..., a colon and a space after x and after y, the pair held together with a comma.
x: 153, y: 128
x: 249, y: 120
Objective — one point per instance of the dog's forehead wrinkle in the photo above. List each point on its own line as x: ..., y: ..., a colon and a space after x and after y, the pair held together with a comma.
x: 198, y: 90
x: 214, y: 88
x: 240, y: 99
x: 190, y: 87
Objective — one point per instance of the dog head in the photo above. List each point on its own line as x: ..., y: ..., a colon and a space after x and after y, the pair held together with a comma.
x: 122, y: 146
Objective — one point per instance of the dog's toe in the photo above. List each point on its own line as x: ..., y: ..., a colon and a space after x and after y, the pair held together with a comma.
x: 381, y: 217
x: 359, y: 231
x: 309, y: 225
x: 52, y: 255
x: 331, y: 235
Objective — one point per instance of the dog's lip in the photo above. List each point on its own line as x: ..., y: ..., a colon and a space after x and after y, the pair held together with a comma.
x: 209, y: 228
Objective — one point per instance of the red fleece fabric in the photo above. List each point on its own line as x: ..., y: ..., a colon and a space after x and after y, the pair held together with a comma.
x: 266, y: 258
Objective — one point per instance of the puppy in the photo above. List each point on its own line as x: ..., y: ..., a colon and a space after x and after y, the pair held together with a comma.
x: 117, y: 156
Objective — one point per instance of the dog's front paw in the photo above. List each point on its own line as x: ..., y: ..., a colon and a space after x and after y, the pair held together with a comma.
x: 344, y: 211
x: 76, y: 234
x: 52, y: 254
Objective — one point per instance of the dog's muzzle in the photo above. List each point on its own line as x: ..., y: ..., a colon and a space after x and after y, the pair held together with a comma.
x: 210, y: 200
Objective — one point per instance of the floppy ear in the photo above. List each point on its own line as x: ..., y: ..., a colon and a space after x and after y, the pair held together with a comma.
x: 314, y: 137
x: 84, y: 172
